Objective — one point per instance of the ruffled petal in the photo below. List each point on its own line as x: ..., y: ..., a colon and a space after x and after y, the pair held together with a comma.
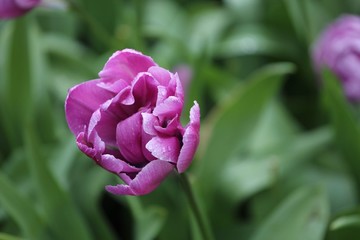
x: 171, y: 107
x: 125, y: 65
x: 94, y: 148
x: 115, y: 165
x: 144, y: 90
x: 171, y: 128
x: 149, y: 122
x: 164, y: 148
x: 105, y: 119
x: 162, y: 75
x: 82, y: 100
x: 129, y: 139
x: 145, y: 181
x: 191, y: 140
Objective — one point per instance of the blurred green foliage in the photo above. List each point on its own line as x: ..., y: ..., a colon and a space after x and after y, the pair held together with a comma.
x: 279, y: 156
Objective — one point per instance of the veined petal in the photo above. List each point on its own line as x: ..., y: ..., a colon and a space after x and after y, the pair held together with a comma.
x: 171, y: 107
x: 145, y: 181
x: 94, y: 148
x: 149, y: 122
x: 115, y: 165
x: 105, y: 119
x: 164, y: 148
x: 171, y: 128
x: 191, y: 140
x: 129, y: 139
x: 162, y: 75
x: 82, y: 100
x: 125, y: 65
x: 144, y: 90
x: 179, y: 90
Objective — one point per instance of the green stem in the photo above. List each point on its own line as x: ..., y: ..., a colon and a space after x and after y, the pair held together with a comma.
x: 195, y: 208
x: 139, y: 12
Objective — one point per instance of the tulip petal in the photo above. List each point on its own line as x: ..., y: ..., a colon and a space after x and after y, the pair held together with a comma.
x: 115, y: 165
x: 105, y: 119
x: 145, y: 181
x: 171, y: 107
x: 93, y: 149
x: 149, y: 122
x: 164, y: 148
x: 82, y: 101
x: 171, y: 128
x: 129, y: 139
x: 144, y: 90
x: 125, y: 65
x: 191, y: 140
x: 15, y: 8
x: 162, y: 75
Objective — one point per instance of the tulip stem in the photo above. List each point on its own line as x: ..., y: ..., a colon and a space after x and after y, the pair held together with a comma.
x: 195, y: 208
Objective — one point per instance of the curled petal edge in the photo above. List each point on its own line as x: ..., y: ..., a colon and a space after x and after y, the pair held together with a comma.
x: 191, y: 140
x: 146, y: 181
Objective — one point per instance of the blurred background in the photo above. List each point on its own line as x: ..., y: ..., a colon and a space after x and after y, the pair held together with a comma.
x: 279, y: 156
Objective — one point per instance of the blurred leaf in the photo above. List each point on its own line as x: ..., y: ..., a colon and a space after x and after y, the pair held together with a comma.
x: 246, y: 175
x: 233, y: 120
x: 24, y: 89
x: 246, y: 10
x: 164, y: 19
x: 4, y: 236
x: 298, y: 18
x: 254, y: 40
x: 16, y: 88
x: 274, y: 128
x: 71, y: 52
x: 345, y: 226
x: 62, y: 160
x: 345, y: 221
x: 149, y: 221
x: 207, y: 27
x: 59, y: 211
x: 347, y: 128
x: 303, y: 215
x: 21, y: 209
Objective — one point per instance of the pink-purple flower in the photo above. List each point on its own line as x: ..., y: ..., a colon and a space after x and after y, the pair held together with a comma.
x: 338, y: 48
x: 128, y: 121
x: 15, y: 8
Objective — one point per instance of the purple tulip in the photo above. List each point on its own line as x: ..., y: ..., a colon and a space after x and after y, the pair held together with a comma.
x: 128, y: 121
x: 16, y: 8
x: 338, y: 48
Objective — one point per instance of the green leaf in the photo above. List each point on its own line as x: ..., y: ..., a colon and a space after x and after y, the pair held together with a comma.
x: 296, y: 13
x: 24, y: 91
x: 254, y: 40
x: 21, y: 209
x: 149, y: 221
x: 247, y: 174
x: 344, y: 226
x: 245, y: 10
x: 207, y: 28
x: 346, y: 127
x: 59, y: 210
x: 302, y: 215
x: 16, y: 87
x: 4, y: 236
x: 232, y: 121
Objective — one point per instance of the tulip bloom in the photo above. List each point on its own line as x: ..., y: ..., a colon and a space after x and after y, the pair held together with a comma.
x: 128, y: 122
x: 338, y: 48
x: 15, y: 8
